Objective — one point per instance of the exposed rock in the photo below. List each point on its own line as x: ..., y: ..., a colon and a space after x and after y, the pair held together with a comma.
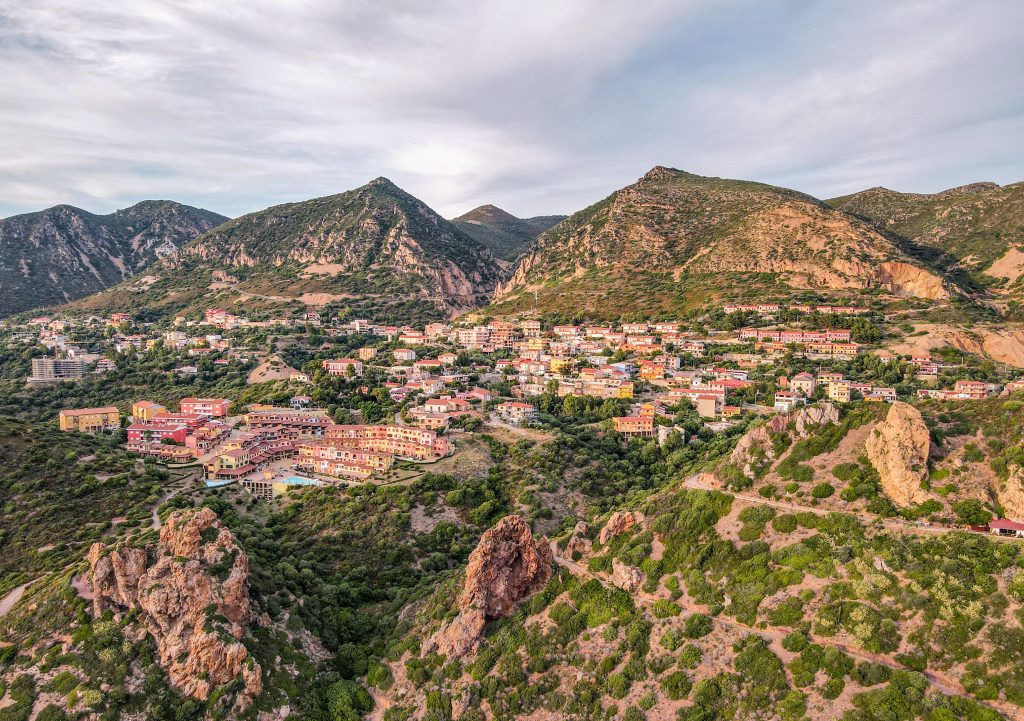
x: 898, y: 449
x: 626, y: 577
x: 1010, y: 493
x: 618, y: 523
x: 191, y: 599
x: 578, y: 542
x: 507, y: 566
x: 910, y: 280
x: 755, y: 447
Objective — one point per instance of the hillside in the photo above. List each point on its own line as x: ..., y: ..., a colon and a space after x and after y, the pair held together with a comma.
x: 672, y: 240
x: 977, y: 228
x: 63, y: 253
x: 376, y: 250
x: 502, y: 233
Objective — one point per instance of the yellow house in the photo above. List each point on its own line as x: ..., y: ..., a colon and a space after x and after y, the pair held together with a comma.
x: 90, y: 420
x: 558, y: 365
x: 839, y: 391
x: 535, y: 344
x: 146, y: 411
x: 625, y: 390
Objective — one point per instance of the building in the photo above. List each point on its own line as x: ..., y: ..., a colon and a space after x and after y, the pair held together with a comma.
x: 146, y: 411
x: 803, y: 383
x: 1006, y: 527
x: 90, y: 420
x: 343, y: 367
x: 404, y: 355
x: 839, y: 391
x: 211, y: 407
x: 407, y: 442
x: 366, y: 353
x: 975, y: 390
x: 516, y: 412
x: 635, y: 426
x: 157, y: 432
x: 55, y: 370
x: 785, y: 401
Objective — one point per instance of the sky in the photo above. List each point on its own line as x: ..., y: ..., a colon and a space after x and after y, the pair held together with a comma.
x: 537, y: 106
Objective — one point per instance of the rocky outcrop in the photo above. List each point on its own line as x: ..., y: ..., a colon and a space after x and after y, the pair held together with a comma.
x: 755, y: 448
x: 192, y: 598
x: 507, y: 566
x: 910, y: 280
x: 898, y: 449
x: 1010, y: 493
x: 618, y: 523
x: 626, y: 577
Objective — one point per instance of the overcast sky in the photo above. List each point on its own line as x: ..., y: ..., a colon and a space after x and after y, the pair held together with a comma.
x: 536, y: 106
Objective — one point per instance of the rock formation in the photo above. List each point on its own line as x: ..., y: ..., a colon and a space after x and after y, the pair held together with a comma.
x: 193, y: 599
x: 618, y: 523
x: 898, y: 449
x: 626, y: 577
x: 507, y: 566
x: 1010, y: 493
x: 756, y: 444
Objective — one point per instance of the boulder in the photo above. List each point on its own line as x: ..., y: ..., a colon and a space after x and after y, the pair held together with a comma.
x: 507, y: 566
x: 898, y: 449
x: 618, y: 523
x: 626, y: 577
x: 193, y: 599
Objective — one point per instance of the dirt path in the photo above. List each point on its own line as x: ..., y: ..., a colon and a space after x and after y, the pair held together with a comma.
x: 944, y: 683
x: 8, y: 601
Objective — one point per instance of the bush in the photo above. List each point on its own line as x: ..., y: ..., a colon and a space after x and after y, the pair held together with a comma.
x: 697, y: 625
x: 663, y: 608
x: 676, y: 685
x: 786, y: 523
x: 823, y: 490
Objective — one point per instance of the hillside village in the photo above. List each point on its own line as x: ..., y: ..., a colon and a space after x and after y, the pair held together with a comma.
x: 445, y: 381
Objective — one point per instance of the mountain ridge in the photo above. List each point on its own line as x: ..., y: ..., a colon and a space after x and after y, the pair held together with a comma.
x: 503, y: 233
x: 63, y: 253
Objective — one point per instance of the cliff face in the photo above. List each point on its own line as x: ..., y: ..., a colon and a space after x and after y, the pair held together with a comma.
x: 898, y: 449
x: 1010, y: 493
x: 193, y: 599
x: 64, y: 253
x: 507, y: 566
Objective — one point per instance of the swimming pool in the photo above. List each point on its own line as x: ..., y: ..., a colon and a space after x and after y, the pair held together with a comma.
x: 300, y: 481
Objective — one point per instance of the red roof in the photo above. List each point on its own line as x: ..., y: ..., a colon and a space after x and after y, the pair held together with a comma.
x: 1005, y: 524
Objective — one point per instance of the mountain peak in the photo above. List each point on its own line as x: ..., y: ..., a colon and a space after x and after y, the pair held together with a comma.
x: 661, y: 172
x: 488, y: 215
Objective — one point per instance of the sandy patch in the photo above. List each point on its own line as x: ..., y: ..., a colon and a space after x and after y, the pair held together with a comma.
x: 325, y: 268
x: 322, y: 298
x: 1010, y: 266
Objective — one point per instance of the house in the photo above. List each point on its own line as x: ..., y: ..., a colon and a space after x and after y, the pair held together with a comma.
x: 146, y: 411
x: 299, y: 402
x: 298, y: 376
x: 343, y: 367
x: 975, y: 390
x: 803, y: 383
x: 367, y: 353
x: 90, y: 420
x: 448, y: 359
x: 403, y: 355
x: 412, y: 339
x: 516, y: 412
x: 1006, y: 527
x: 635, y: 426
x: 709, y: 405
x: 211, y: 407
x: 785, y: 401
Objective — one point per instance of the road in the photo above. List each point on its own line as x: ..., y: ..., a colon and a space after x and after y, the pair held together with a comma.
x: 944, y: 683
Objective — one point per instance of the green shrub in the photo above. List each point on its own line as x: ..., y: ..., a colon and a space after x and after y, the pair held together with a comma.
x: 675, y: 685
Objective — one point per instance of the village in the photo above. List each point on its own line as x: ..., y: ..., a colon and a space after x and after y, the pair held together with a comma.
x: 449, y: 379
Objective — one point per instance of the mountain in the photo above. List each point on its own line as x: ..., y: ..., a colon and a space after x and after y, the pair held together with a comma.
x: 376, y: 250
x: 977, y: 229
x: 673, y: 239
x: 63, y: 253
x: 503, y: 233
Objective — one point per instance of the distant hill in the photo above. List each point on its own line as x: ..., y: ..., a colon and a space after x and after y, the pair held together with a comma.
x: 503, y: 233
x: 673, y: 240
x: 976, y: 229
x: 375, y: 250
x: 63, y: 253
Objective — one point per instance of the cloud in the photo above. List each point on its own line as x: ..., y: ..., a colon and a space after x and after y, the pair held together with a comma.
x: 536, y: 106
